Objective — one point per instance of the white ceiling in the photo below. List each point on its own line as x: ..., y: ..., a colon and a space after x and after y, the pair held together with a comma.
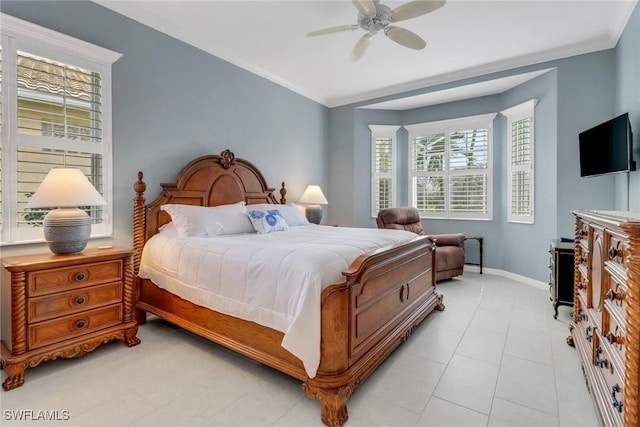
x: 465, y: 38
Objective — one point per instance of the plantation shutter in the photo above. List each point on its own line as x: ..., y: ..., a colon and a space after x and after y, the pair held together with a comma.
x: 383, y: 185
x: 521, y: 168
x: 55, y: 111
x: 520, y: 181
x: 428, y: 167
x: 450, y: 171
x: 468, y: 162
x: 59, y: 113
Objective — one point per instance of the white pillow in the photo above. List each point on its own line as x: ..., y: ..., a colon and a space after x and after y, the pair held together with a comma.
x: 290, y: 212
x: 169, y: 230
x: 200, y: 221
x: 267, y: 221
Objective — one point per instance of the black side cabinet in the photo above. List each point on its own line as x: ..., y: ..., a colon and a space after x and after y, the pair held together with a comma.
x: 561, y: 277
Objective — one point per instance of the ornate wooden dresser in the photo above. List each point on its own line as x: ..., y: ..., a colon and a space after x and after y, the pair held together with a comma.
x: 606, y: 313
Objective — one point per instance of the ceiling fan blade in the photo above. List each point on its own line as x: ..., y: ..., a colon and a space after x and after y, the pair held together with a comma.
x: 366, y: 7
x: 405, y: 37
x: 361, y: 47
x: 415, y: 8
x: 333, y: 30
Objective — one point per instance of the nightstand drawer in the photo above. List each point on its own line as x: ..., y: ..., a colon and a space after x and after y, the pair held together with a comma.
x: 64, y: 303
x: 62, y: 279
x: 45, y: 333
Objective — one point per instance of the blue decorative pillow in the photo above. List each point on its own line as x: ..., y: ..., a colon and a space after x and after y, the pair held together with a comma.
x: 267, y: 221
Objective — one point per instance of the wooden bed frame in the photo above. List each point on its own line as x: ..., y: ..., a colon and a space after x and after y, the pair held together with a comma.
x: 385, y: 294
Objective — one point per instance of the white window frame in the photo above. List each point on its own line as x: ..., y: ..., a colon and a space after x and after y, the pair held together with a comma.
x: 523, y: 111
x: 383, y: 131
x: 19, y: 35
x: 446, y: 127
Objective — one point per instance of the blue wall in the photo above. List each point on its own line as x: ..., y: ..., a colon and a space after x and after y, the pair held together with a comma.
x: 628, y: 100
x: 173, y: 102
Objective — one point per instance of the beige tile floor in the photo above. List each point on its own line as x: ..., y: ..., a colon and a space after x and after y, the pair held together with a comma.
x: 494, y: 357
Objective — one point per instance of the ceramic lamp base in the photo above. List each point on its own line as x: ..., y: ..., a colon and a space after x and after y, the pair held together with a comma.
x: 314, y: 214
x: 67, y: 230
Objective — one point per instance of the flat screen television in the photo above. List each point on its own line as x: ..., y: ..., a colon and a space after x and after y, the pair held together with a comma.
x: 607, y: 148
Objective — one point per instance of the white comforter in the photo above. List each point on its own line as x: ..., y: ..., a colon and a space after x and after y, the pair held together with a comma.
x: 272, y: 279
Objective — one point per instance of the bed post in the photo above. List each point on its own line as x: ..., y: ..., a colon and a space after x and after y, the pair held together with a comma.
x: 139, y: 236
x: 283, y: 195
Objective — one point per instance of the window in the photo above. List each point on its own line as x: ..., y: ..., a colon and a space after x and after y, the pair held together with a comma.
x: 383, y: 167
x: 450, y: 172
x: 520, y: 169
x: 55, y: 112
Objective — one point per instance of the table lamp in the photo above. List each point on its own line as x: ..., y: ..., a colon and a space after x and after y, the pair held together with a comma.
x: 67, y: 228
x: 314, y: 197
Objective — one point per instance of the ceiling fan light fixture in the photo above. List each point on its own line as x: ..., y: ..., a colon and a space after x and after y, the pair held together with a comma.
x: 374, y: 17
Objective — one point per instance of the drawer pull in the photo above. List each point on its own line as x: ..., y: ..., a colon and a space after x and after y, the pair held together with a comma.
x: 404, y: 292
x: 614, y: 401
x: 581, y: 286
x: 613, y: 296
x: 80, y: 300
x: 602, y: 363
x: 80, y: 324
x: 581, y: 315
x: 80, y: 277
x: 614, y: 339
x: 613, y: 252
x: 587, y: 336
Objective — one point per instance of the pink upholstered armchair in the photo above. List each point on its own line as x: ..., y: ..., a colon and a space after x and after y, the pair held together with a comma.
x: 449, y: 247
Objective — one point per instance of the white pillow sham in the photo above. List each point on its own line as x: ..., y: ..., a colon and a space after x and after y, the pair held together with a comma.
x: 200, y: 221
x: 290, y: 212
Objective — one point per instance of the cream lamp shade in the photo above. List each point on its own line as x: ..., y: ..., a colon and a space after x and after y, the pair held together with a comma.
x: 67, y: 228
x: 313, y: 197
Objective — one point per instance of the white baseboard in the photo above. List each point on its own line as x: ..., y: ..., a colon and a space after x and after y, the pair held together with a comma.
x: 523, y: 279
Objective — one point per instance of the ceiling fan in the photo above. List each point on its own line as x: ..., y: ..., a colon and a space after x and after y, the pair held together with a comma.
x: 374, y: 17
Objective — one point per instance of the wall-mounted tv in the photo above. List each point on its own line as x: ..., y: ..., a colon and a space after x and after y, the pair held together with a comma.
x: 607, y: 148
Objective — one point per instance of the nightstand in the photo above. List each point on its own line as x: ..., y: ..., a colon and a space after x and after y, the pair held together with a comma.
x: 64, y: 306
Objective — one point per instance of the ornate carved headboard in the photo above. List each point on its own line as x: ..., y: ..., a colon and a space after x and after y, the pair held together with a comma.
x: 206, y: 181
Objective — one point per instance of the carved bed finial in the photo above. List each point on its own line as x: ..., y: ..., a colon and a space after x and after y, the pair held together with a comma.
x: 283, y: 195
x: 227, y: 159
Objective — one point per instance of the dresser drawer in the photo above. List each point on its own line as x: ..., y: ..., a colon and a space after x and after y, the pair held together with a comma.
x: 69, y: 302
x: 613, y: 379
x: 617, y: 251
x: 63, y: 328
x: 617, y: 297
x: 582, y: 284
x: 67, y: 278
x: 614, y: 334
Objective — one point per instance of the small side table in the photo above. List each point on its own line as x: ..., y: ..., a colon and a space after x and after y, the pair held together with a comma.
x: 479, y: 239
x: 64, y: 306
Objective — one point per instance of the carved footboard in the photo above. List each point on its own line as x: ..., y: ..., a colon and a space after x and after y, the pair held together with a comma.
x: 385, y: 296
